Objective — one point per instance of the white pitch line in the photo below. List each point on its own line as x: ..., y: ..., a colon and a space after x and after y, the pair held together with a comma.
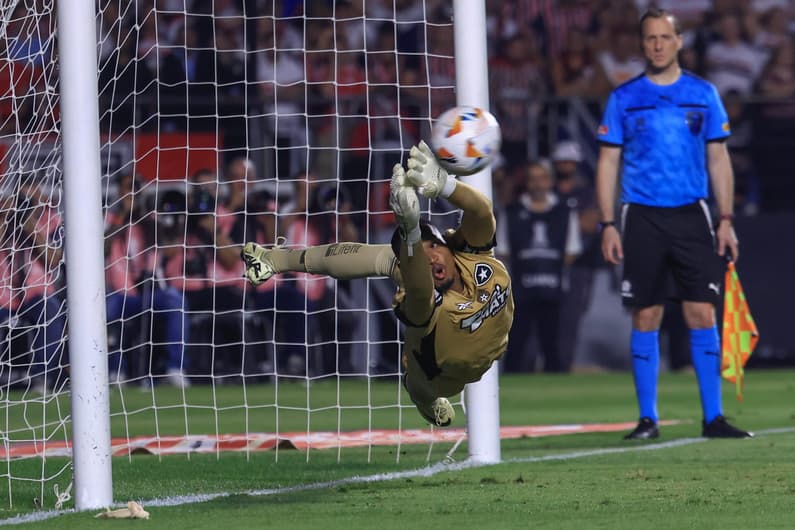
x: 424, y: 472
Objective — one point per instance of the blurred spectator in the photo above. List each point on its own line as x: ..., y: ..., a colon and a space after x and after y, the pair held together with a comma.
x: 18, y: 86
x: 208, y: 270
x: 778, y: 77
x: 224, y: 67
x: 241, y: 178
x: 732, y: 63
x: 260, y: 225
x: 622, y: 60
x: 577, y: 192
x: 504, y: 189
x: 136, y: 281
x: 125, y: 90
x: 517, y: 86
x: 774, y: 30
x: 574, y: 70
x: 30, y: 273
x: 27, y: 36
x: 282, y: 70
x: 331, y: 207
x: 611, y: 17
x: 689, y: 13
x: 538, y: 237
x: 304, y: 228
x: 740, y: 143
x: 300, y: 300
x: 556, y: 18
x: 690, y: 59
x: 180, y: 94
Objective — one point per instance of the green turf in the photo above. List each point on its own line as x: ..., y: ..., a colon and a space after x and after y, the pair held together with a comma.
x: 740, y: 483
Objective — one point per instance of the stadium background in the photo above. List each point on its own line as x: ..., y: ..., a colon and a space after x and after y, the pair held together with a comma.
x: 264, y: 88
x: 186, y: 85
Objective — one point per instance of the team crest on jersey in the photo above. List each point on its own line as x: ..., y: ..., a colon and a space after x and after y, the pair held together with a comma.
x: 695, y: 121
x: 483, y: 274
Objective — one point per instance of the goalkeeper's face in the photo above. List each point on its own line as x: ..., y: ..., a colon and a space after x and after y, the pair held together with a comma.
x: 443, y: 269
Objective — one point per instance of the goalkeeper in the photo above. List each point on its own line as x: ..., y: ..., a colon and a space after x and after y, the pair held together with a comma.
x: 453, y: 295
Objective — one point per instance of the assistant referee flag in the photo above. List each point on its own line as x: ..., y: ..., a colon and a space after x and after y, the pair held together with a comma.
x: 739, y: 331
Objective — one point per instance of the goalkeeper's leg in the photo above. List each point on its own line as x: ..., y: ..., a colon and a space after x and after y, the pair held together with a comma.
x: 428, y: 395
x: 344, y: 261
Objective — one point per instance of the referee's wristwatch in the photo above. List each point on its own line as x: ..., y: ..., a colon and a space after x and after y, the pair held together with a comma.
x: 605, y: 224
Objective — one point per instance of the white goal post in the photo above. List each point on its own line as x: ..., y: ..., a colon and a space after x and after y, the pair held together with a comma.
x: 472, y: 88
x: 85, y: 264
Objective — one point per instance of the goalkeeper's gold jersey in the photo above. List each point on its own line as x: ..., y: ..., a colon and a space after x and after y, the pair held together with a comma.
x: 468, y: 331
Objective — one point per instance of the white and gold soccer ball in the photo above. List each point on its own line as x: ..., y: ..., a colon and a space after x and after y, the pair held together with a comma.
x: 465, y: 139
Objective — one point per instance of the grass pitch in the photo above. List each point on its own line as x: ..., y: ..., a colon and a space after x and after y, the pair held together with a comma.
x: 572, y: 481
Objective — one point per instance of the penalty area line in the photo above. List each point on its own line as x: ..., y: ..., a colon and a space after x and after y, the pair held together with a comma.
x: 424, y: 472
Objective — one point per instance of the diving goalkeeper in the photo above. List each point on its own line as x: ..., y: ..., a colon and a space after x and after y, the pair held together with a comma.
x: 453, y: 296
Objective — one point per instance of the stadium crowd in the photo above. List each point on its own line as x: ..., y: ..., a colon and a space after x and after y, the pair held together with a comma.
x: 338, y: 91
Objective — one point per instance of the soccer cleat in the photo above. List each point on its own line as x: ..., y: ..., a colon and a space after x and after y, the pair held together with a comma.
x: 440, y: 413
x: 720, y: 428
x: 258, y: 268
x: 646, y: 430
x: 443, y: 412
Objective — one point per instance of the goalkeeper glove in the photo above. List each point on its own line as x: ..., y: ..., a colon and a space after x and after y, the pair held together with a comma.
x: 430, y: 179
x: 403, y: 201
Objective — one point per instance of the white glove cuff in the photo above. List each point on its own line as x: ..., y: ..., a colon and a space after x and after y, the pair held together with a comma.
x: 411, y: 238
x: 449, y: 187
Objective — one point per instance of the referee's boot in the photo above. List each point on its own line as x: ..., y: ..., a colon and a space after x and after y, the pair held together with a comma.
x: 646, y: 430
x: 720, y: 428
x: 259, y: 268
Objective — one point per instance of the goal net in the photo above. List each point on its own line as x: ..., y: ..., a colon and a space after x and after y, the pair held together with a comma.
x: 220, y: 123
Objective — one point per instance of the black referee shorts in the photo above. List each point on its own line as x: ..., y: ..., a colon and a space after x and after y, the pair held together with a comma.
x: 669, y: 253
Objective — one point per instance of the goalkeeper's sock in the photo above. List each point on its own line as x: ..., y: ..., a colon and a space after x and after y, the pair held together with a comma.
x: 645, y: 347
x: 705, y: 351
x: 345, y: 261
x: 285, y: 259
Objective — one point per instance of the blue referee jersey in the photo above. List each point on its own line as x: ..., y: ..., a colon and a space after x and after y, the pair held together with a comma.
x: 663, y: 131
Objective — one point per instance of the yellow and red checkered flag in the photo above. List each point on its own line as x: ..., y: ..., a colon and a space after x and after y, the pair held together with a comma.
x: 739, y: 331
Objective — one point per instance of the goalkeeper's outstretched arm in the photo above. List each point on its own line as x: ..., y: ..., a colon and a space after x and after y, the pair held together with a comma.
x: 478, y: 225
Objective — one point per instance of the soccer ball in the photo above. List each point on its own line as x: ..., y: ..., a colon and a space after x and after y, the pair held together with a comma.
x: 465, y: 139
